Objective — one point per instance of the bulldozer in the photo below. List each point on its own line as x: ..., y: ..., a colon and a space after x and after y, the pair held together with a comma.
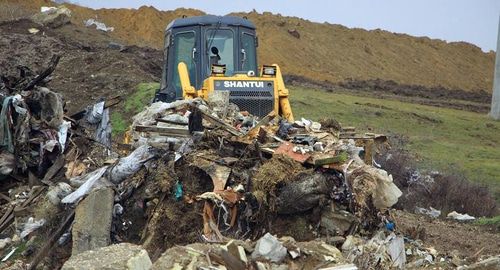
x: 211, y: 53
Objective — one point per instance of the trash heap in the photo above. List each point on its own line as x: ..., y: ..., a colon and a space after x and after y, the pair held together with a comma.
x: 255, y: 176
x: 41, y: 148
x: 196, y: 184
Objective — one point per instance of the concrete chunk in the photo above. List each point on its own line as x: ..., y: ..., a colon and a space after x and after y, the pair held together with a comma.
x: 92, y: 226
x: 124, y: 256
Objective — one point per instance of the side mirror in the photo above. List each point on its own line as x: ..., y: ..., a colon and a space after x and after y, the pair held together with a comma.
x: 214, y: 50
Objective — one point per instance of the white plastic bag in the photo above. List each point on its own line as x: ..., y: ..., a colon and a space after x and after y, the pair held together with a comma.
x: 90, y: 180
x: 31, y: 226
x: 130, y: 164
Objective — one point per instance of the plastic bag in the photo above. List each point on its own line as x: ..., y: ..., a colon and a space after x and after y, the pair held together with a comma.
x: 30, y: 226
x: 90, y: 181
x: 130, y: 164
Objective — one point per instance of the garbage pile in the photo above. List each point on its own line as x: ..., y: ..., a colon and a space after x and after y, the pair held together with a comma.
x: 250, y: 193
x: 41, y: 148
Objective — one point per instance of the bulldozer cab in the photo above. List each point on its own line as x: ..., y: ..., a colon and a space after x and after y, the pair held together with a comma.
x: 201, y: 42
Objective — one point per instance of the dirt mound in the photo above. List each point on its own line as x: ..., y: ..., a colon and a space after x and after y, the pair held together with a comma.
x: 322, y: 52
x: 88, y: 68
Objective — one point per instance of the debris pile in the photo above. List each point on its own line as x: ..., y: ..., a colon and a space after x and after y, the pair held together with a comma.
x: 41, y: 150
x: 238, y: 191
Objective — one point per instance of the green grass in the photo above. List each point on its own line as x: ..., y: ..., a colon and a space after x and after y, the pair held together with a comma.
x: 132, y: 105
x: 493, y: 221
x: 138, y: 100
x: 118, y: 123
x: 443, y: 139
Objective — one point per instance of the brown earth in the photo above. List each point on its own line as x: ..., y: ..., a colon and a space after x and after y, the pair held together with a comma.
x: 88, y: 69
x: 448, y: 235
x: 317, y: 51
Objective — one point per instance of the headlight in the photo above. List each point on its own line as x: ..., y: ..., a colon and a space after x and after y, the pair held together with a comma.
x: 269, y: 70
x: 218, y: 69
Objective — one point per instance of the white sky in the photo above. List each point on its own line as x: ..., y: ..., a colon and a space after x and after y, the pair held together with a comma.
x: 474, y: 21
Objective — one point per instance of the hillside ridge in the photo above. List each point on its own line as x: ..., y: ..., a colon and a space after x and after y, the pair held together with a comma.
x: 323, y: 52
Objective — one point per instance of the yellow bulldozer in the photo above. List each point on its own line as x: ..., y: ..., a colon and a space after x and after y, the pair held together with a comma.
x: 218, y: 53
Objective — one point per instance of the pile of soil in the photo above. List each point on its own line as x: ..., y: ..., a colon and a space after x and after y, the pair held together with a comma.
x: 317, y: 51
x: 88, y: 68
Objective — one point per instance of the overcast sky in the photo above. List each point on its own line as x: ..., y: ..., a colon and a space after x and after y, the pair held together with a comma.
x: 474, y: 21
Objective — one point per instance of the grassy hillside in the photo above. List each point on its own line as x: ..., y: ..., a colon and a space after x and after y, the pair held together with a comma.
x: 443, y: 139
x: 320, y: 51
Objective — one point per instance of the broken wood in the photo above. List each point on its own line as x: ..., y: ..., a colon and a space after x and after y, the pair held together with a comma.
x: 40, y: 77
x: 255, y: 130
x: 216, y: 121
x: 34, y: 193
x: 232, y: 262
x: 53, y: 170
x: 348, y: 133
x: 45, y: 249
x: 166, y: 131
x: 348, y: 128
x: 171, y: 122
x: 7, y: 218
x: 110, y: 102
x: 368, y: 158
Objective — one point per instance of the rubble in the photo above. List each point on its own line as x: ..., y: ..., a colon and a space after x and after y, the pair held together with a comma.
x: 92, y: 226
x: 192, y: 171
x: 123, y: 256
x: 269, y: 248
x: 489, y: 263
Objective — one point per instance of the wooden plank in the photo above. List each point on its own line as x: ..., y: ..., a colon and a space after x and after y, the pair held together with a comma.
x: 171, y: 122
x: 232, y: 262
x: 110, y: 102
x: 39, y: 78
x: 47, y: 247
x: 8, y: 220
x: 5, y: 197
x: 348, y: 128
x: 254, y: 131
x: 6, y: 215
x: 53, y: 170
x: 218, y: 122
x: 167, y: 131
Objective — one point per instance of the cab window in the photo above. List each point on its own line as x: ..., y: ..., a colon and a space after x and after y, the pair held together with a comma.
x: 223, y: 41
x: 248, y: 58
x: 183, y: 50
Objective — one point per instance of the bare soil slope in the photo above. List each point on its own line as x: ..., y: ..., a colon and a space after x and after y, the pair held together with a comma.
x: 321, y: 52
x: 88, y: 69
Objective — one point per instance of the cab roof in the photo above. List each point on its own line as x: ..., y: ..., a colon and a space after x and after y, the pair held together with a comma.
x: 211, y: 20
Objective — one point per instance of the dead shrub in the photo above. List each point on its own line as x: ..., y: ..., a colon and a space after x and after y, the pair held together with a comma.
x: 446, y: 192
